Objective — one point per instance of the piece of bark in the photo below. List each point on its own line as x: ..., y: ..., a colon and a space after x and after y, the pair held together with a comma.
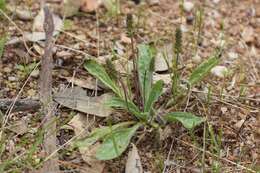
x: 49, y: 123
x: 20, y: 105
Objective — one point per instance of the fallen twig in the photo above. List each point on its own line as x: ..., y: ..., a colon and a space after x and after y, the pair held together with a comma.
x: 49, y: 123
x: 19, y: 105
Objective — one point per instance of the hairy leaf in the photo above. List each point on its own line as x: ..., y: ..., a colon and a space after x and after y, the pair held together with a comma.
x: 203, y: 69
x: 187, y: 119
x: 116, y: 143
x: 145, y: 67
x: 100, y: 73
x: 98, y: 134
x: 128, y: 105
x: 154, y: 95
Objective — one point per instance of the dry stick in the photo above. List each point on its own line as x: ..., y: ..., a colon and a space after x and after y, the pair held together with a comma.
x: 20, y: 105
x: 49, y: 123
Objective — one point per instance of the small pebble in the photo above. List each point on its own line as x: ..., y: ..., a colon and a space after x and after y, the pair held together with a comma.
x: 248, y: 34
x: 224, y: 110
x: 215, y: 1
x: 219, y: 71
x: 184, y: 28
x: 7, y: 69
x: 196, y: 58
x: 35, y: 73
x: 232, y: 55
x: 63, y: 54
x: 12, y: 78
x: 189, y: 66
x: 154, y: 2
x: 31, y: 92
x: 22, y: 14
x: 188, y: 6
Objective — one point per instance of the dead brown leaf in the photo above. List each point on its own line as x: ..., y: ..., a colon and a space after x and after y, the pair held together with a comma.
x: 80, y: 123
x: 76, y: 98
x: 133, y: 163
x: 19, y: 127
x: 163, y: 58
x: 88, y: 83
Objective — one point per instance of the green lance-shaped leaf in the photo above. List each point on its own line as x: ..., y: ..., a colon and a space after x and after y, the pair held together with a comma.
x: 154, y: 95
x: 116, y: 143
x: 128, y: 105
x: 145, y: 67
x: 2, y: 4
x: 187, y: 119
x: 98, y: 134
x: 2, y: 45
x: 203, y: 69
x: 100, y: 73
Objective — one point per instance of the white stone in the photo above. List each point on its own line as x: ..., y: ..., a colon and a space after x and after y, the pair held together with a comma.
x: 12, y: 78
x: 232, y: 55
x: 154, y: 2
x: 188, y: 6
x: 35, y: 73
x: 7, y: 69
x: 196, y: 58
x: 216, y: 1
x: 184, y: 28
x: 219, y: 71
x: 22, y: 14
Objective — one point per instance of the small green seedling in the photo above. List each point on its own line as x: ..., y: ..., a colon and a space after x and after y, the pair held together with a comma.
x: 2, y: 45
x: 116, y: 138
x: 26, y: 69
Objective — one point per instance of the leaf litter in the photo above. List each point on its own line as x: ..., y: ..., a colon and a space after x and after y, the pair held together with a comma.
x: 133, y: 163
x: 76, y: 98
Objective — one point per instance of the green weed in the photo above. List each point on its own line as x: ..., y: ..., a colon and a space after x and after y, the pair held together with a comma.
x: 2, y: 45
x: 26, y: 69
x: 116, y: 138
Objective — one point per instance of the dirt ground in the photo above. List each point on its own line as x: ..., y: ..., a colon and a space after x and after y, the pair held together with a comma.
x: 233, y: 143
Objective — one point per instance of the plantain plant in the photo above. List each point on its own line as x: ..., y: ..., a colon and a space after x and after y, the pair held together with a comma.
x: 115, y: 138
